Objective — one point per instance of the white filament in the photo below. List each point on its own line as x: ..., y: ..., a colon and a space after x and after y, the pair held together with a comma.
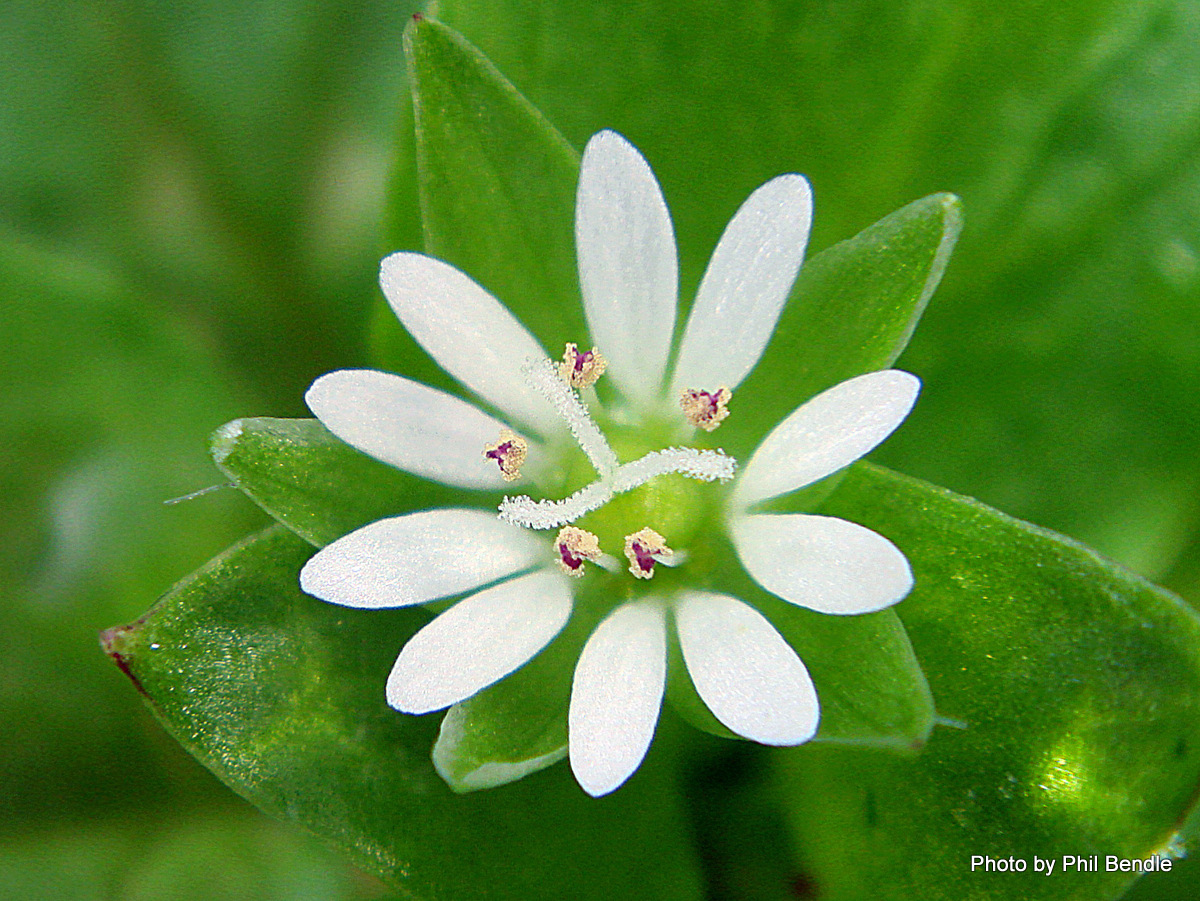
x: 525, y: 511
x: 543, y: 376
x: 704, y: 465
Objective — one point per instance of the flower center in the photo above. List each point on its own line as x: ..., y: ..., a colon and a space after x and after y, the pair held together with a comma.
x: 658, y: 487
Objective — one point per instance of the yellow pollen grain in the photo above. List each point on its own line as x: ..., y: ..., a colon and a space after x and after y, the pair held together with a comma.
x: 581, y: 370
x: 509, y: 452
x: 645, y: 543
x: 579, y: 544
x: 705, y: 409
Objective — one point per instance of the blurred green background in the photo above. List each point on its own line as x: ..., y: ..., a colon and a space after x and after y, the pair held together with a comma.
x: 192, y: 208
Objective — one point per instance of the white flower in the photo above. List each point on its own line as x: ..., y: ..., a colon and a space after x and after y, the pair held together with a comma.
x: 748, y: 676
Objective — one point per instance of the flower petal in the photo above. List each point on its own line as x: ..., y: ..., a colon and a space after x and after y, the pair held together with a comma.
x: 418, y: 558
x: 468, y: 332
x: 409, y: 425
x: 627, y: 265
x: 745, y: 672
x: 822, y: 563
x: 616, y: 696
x: 745, y: 287
x: 828, y: 432
x: 478, y: 641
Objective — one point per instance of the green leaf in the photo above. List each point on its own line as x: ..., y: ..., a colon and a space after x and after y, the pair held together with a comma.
x: 1069, y: 323
x: 1076, y: 690
x: 282, y: 696
x: 496, y: 184
x: 853, y: 310
x: 321, y: 488
x: 316, y: 484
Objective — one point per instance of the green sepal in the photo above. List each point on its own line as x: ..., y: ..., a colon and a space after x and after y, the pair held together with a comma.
x: 870, y: 685
x: 314, y: 483
x: 516, y: 726
x: 497, y: 192
x: 852, y: 310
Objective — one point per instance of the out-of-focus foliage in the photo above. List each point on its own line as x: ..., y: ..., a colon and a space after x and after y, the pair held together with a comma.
x: 190, y: 196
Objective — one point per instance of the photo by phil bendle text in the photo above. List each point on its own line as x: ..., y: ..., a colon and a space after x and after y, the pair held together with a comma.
x: 1090, y: 864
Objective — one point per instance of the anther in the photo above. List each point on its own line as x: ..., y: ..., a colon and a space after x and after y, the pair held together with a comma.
x: 509, y: 453
x: 705, y: 409
x: 574, y: 546
x: 645, y: 548
x: 581, y: 370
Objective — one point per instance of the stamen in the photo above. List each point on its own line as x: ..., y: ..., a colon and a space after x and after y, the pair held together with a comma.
x: 705, y: 409
x: 526, y: 512
x: 509, y: 453
x: 543, y: 375
x: 575, y: 546
x: 705, y: 465
x: 581, y: 370
x: 645, y: 548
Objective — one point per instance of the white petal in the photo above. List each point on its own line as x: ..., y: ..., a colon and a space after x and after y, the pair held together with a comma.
x: 409, y: 425
x: 627, y: 264
x: 616, y: 696
x: 418, y: 558
x: 826, y: 564
x: 745, y: 672
x: 747, y: 283
x: 830, y: 431
x: 468, y: 332
x: 478, y: 641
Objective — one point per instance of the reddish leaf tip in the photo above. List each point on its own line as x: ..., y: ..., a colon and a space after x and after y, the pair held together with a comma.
x: 112, y: 642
